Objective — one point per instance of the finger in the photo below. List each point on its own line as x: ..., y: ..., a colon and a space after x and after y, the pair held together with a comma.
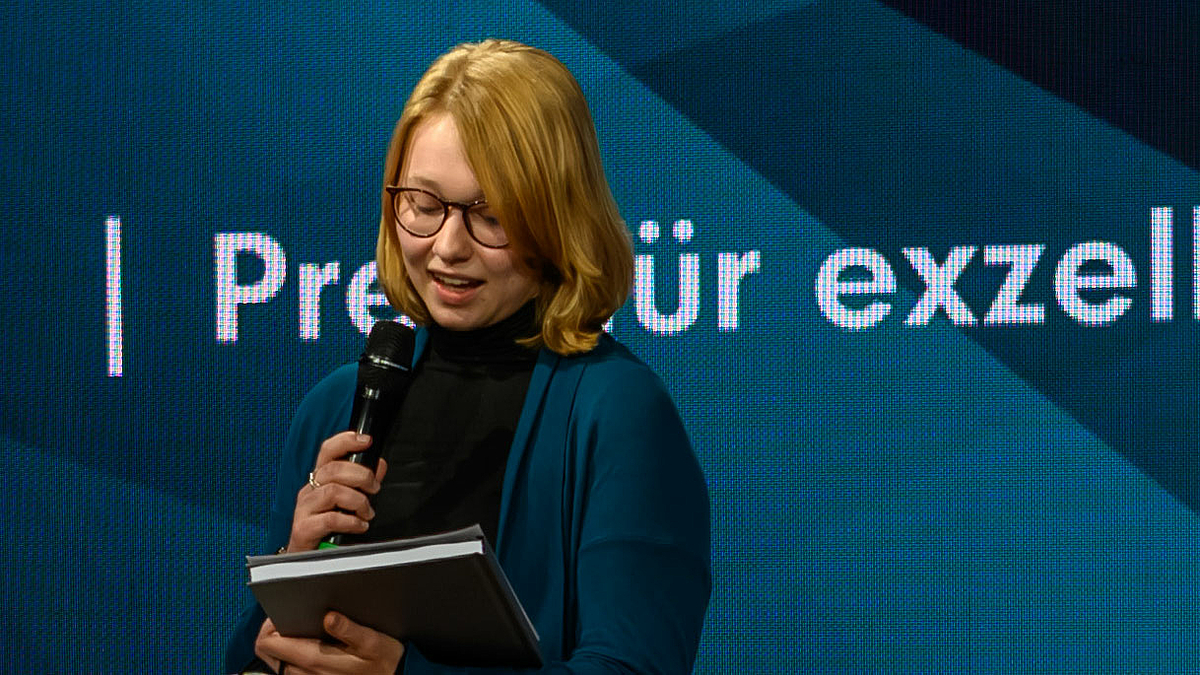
x: 336, y: 496
x: 338, y: 521
x: 268, y: 628
x: 381, y: 470
x: 350, y: 474
x: 297, y: 653
x: 329, y: 658
x: 338, y: 446
x: 308, y: 531
x: 271, y: 647
x: 361, y: 641
x: 328, y: 509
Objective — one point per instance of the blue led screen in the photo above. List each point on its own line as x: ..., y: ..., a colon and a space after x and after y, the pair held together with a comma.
x: 923, y: 279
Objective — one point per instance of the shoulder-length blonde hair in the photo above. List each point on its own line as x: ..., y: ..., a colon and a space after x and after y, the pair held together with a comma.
x: 530, y: 140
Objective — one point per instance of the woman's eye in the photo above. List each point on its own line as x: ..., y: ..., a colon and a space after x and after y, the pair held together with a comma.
x: 424, y: 206
x: 486, y: 218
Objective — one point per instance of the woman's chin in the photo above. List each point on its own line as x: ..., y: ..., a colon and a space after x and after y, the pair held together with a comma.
x: 457, y: 318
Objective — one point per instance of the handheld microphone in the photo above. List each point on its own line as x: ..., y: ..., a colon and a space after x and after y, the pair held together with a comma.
x: 384, y: 373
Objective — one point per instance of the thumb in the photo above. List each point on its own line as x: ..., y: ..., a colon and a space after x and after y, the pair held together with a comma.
x: 342, y: 628
x: 362, y: 641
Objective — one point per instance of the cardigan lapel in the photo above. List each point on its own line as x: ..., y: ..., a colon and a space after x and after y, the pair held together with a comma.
x: 539, y: 382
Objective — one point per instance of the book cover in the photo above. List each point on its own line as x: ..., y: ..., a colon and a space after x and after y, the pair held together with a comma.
x: 443, y: 593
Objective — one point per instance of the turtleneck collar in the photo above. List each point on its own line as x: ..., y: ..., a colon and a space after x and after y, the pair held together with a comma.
x: 496, y: 343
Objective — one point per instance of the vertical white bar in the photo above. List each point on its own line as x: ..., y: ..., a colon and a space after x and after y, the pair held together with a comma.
x: 112, y: 295
x: 1196, y: 262
x: 1162, y: 298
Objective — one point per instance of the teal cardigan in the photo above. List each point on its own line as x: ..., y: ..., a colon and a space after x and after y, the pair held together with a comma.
x: 604, y: 528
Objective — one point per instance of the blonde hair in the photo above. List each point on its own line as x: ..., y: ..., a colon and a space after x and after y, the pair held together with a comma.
x: 530, y: 140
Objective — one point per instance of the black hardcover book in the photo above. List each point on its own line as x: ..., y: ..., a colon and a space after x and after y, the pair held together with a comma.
x: 443, y: 593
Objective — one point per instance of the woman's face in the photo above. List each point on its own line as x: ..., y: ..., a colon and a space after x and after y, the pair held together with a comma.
x: 464, y: 284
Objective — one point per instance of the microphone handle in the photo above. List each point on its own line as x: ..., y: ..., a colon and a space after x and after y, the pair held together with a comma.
x: 364, y: 418
x: 364, y: 423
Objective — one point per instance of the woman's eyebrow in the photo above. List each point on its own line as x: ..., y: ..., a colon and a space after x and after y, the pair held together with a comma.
x: 434, y: 187
x: 422, y: 182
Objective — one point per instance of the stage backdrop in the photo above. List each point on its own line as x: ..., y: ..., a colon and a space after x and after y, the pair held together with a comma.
x: 923, y: 280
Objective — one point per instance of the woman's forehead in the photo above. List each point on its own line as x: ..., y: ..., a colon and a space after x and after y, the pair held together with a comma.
x: 436, y: 161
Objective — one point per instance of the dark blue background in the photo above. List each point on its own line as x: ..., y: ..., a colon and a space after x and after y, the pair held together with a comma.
x: 897, y: 499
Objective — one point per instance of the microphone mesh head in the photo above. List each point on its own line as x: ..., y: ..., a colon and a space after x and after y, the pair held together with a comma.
x: 389, y: 352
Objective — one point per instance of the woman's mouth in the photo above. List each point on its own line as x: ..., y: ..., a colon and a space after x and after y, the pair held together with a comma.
x: 454, y: 282
x: 454, y: 290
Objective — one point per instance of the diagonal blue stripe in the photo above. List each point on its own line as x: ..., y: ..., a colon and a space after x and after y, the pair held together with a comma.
x: 894, y: 136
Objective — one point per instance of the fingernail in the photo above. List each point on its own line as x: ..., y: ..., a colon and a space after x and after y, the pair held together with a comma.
x: 370, y: 514
x: 362, y: 438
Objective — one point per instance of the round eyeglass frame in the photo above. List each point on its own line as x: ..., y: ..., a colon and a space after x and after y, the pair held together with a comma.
x: 396, y: 190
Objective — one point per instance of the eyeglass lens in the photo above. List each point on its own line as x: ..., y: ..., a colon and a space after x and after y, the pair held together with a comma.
x: 422, y: 214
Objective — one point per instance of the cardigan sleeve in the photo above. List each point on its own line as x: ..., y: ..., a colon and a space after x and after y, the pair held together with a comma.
x: 324, y: 411
x: 642, y: 571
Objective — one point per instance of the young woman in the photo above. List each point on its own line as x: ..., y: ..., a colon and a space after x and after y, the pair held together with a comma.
x: 500, y: 238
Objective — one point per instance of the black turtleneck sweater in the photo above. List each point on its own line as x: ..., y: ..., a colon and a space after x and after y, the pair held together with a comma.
x: 448, y: 447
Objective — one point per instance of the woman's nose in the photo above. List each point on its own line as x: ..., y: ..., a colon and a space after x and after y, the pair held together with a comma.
x: 453, y: 242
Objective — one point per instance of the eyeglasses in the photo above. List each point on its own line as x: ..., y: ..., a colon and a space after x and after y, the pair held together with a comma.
x: 422, y: 214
